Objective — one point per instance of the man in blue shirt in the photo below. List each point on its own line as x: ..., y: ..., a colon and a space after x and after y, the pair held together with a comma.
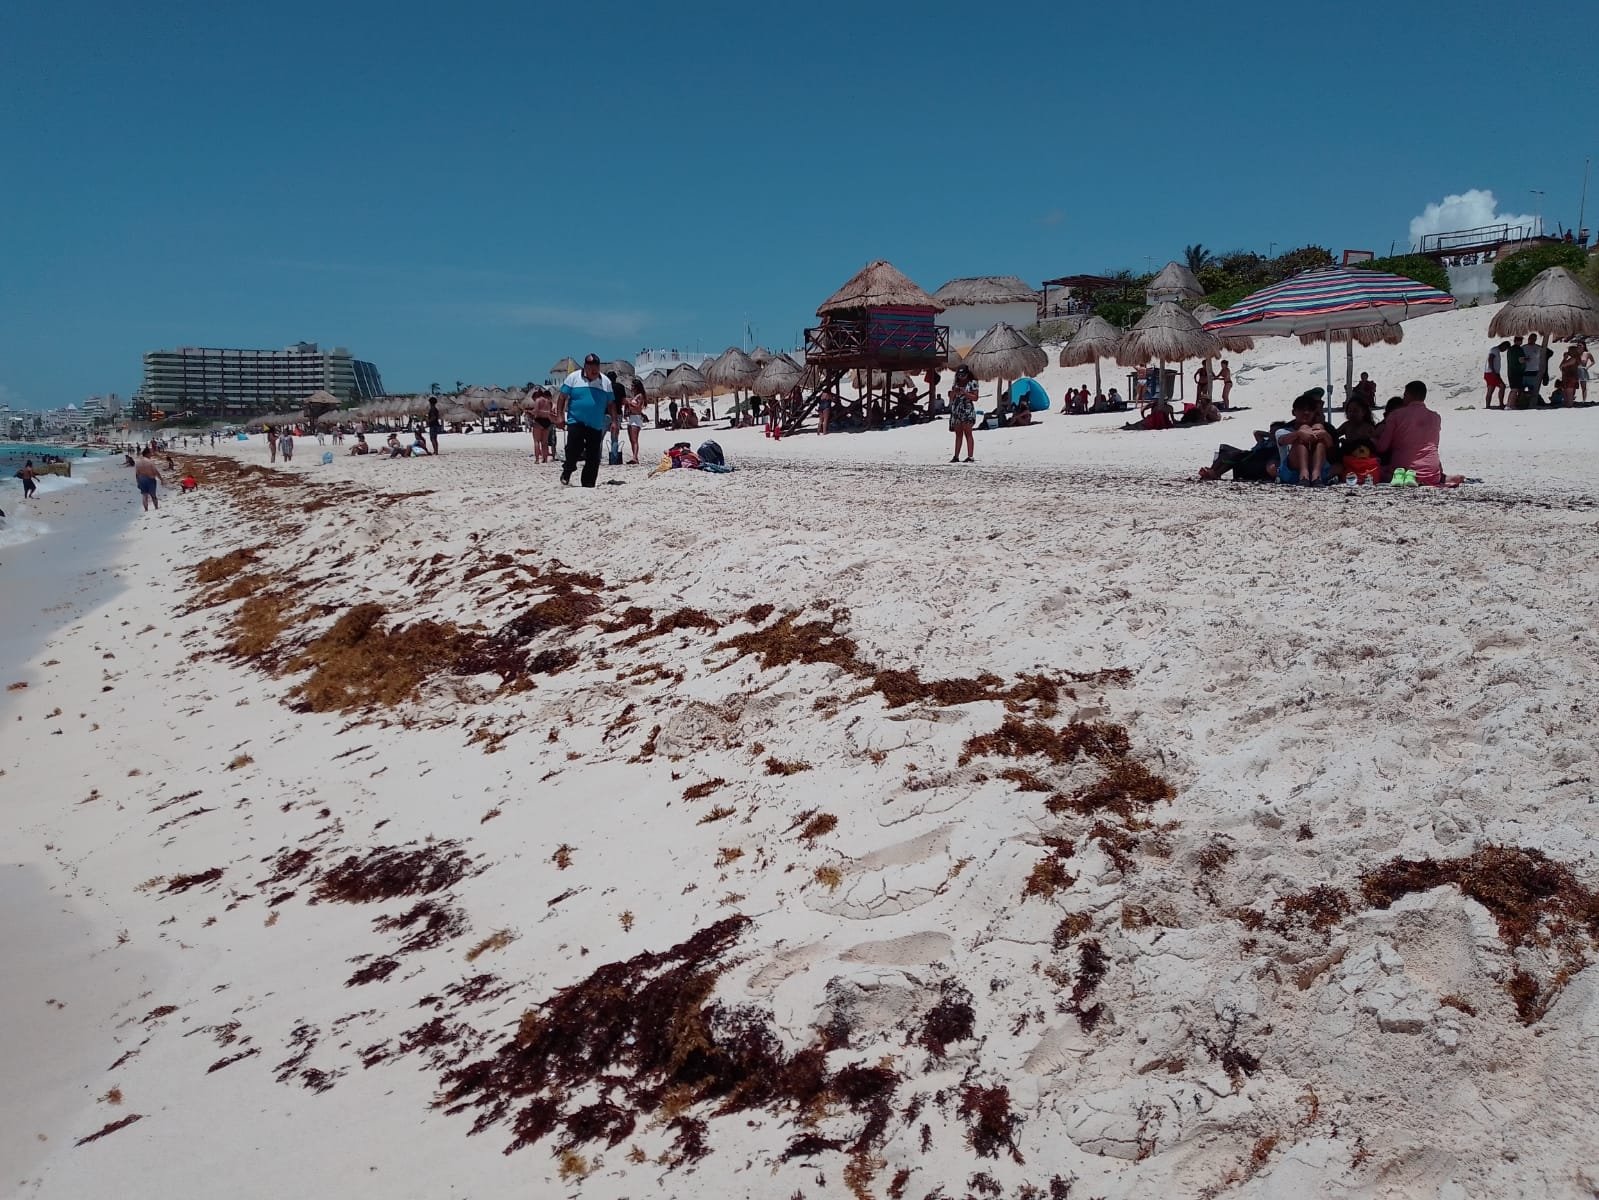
x: 587, y: 408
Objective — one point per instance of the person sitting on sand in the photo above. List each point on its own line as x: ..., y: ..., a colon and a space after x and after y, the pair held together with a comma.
x: 1304, y: 444
x: 1258, y: 464
x: 1022, y: 414
x: 1360, y: 461
x: 1365, y: 390
x: 419, y: 447
x: 1203, y: 413
x: 1409, y: 440
x: 1157, y: 416
x: 1359, y: 425
x: 393, y: 449
x: 360, y: 446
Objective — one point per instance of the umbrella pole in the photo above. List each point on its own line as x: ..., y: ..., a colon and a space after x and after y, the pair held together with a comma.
x: 1349, y: 367
x: 1329, y: 368
x: 1098, y: 390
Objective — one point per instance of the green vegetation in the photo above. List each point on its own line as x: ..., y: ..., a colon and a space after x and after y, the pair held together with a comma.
x: 1412, y: 266
x: 1517, y: 270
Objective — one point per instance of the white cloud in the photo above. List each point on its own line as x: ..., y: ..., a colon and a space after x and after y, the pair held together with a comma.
x: 1468, y: 210
x: 603, y: 323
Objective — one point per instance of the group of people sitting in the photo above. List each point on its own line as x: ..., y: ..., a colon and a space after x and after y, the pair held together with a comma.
x: 1402, y: 448
x: 394, y: 447
x: 1077, y: 401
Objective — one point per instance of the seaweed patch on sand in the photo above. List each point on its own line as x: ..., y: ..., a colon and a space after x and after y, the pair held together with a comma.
x: 644, y: 1038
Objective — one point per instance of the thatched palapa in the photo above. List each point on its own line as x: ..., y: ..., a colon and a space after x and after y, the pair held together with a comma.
x: 985, y: 289
x: 1232, y: 344
x: 564, y: 367
x: 733, y: 370
x: 654, y: 382
x: 685, y: 381
x: 1166, y: 333
x: 878, y: 285
x: 1364, y: 335
x: 1005, y: 352
x: 1555, y: 304
x: 778, y: 377
x: 1096, y: 338
x: 1175, y: 282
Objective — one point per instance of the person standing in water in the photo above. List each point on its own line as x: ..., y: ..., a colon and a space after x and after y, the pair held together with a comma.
x: 28, y: 477
x: 272, y: 443
x: 148, y: 476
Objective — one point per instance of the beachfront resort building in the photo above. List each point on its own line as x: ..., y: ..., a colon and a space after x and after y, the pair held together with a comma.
x: 219, y: 384
x: 974, y: 306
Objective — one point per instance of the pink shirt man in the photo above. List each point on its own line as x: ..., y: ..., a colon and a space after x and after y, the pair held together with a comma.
x: 1409, y: 438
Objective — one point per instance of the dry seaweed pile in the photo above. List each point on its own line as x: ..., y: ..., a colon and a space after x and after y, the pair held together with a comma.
x: 643, y: 1039
x: 790, y: 640
x: 1539, y: 905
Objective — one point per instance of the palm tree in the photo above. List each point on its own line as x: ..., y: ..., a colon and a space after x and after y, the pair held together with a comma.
x: 1198, y: 257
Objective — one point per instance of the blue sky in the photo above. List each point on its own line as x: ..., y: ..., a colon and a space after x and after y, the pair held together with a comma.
x: 471, y: 191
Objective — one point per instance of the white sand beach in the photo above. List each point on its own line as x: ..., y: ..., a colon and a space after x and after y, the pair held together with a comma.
x: 852, y: 824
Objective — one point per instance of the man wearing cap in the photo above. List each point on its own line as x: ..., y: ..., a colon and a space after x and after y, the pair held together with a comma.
x: 587, y: 408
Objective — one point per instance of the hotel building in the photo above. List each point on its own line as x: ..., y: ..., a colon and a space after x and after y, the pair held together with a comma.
x: 235, y: 384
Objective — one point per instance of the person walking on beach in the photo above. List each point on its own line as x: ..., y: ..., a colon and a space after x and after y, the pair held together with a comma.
x: 586, y: 410
x: 1493, y: 375
x: 286, y: 444
x: 148, y: 477
x: 634, y: 407
x: 963, y: 412
x: 543, y: 416
x: 272, y: 443
x: 435, y: 423
x: 29, y: 478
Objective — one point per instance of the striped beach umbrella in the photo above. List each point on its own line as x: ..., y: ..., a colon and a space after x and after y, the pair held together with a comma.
x: 1326, y: 301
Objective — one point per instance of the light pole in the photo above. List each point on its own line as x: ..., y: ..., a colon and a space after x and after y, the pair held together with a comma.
x: 1582, y: 209
x: 1537, y: 209
x: 1271, y: 250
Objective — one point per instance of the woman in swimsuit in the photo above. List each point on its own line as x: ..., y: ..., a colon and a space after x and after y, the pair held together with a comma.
x: 1224, y: 375
x: 543, y: 414
x: 633, y: 407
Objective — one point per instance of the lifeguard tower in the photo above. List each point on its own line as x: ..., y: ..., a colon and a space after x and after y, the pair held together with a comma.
x: 878, y: 323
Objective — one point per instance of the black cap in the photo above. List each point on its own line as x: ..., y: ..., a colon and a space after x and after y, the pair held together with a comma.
x: 593, y: 359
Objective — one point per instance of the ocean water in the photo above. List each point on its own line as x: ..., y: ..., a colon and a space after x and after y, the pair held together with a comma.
x: 19, y: 524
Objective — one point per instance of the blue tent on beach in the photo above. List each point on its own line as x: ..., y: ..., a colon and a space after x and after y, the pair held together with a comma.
x: 1030, y: 392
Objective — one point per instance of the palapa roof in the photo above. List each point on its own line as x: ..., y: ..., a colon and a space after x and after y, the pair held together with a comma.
x: 1235, y: 343
x: 732, y: 369
x: 878, y: 285
x: 1175, y: 281
x: 1167, y: 332
x: 685, y: 381
x: 1005, y: 352
x: 760, y: 356
x: 1365, y: 335
x: 778, y: 376
x: 654, y: 381
x: 1555, y: 303
x: 1096, y: 338
x: 985, y: 289
x: 564, y: 366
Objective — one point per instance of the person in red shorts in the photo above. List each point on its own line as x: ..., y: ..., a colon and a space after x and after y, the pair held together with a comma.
x: 1493, y: 377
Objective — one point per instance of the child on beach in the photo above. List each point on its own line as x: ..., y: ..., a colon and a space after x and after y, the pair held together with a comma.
x: 1303, y: 444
